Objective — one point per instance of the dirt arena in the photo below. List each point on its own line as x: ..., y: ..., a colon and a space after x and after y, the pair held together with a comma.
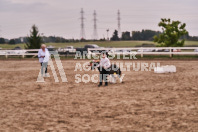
x: 144, y: 102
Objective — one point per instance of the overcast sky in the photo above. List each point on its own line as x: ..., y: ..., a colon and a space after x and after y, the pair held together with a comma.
x: 62, y: 17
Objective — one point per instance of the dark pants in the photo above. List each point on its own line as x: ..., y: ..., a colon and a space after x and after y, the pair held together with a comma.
x: 103, y: 76
x: 45, y: 68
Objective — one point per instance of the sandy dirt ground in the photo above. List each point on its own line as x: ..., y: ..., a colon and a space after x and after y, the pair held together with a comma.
x: 144, y: 102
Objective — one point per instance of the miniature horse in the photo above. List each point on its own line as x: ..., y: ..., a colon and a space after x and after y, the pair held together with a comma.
x: 112, y: 70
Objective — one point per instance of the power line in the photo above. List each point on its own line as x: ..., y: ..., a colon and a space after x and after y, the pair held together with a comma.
x: 82, y: 32
x: 95, y: 34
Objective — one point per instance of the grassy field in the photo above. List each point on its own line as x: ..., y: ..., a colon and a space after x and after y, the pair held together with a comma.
x: 101, y: 44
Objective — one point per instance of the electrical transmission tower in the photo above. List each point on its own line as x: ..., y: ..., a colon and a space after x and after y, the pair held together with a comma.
x: 95, y: 34
x: 82, y: 32
x: 119, y: 25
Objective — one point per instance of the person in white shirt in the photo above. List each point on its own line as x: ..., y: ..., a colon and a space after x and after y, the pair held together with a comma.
x: 43, y: 55
x: 104, y: 68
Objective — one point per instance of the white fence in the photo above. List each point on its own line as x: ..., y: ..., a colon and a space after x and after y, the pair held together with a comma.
x: 147, y: 51
x: 122, y: 51
x: 22, y: 53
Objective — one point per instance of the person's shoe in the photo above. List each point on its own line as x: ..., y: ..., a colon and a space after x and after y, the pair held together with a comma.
x: 47, y: 75
x: 106, y: 84
x: 40, y: 79
x: 99, y: 85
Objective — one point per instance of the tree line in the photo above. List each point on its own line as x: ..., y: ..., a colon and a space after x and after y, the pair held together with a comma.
x: 135, y: 35
x: 50, y: 39
x: 144, y: 35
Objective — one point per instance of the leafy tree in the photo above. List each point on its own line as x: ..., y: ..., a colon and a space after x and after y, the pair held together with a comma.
x: 172, y: 32
x: 115, y: 36
x: 144, y: 35
x: 136, y: 35
x: 12, y: 41
x: 34, y: 41
x: 2, y: 41
x: 190, y: 38
x: 17, y: 40
x: 149, y: 34
x: 126, y: 36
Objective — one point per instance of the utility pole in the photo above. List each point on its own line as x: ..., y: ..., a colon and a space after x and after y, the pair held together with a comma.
x: 82, y: 32
x: 107, y: 34
x: 119, y: 24
x: 95, y: 34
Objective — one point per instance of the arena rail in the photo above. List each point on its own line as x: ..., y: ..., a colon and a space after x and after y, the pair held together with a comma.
x: 147, y: 51
x: 122, y: 51
x: 22, y: 53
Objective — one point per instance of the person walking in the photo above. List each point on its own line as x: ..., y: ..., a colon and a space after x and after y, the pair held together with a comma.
x: 104, y: 68
x: 43, y: 55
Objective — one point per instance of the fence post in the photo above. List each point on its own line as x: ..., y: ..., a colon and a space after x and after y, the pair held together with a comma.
x: 141, y: 52
x: 170, y: 50
x: 23, y: 56
x: 6, y: 56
